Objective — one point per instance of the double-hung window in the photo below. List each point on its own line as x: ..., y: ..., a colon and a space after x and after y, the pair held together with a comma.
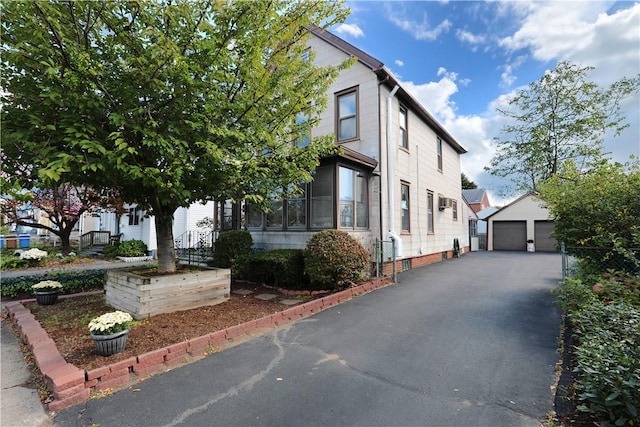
x: 347, y: 115
x: 404, y: 135
x: 454, y: 209
x: 429, y: 211
x: 405, y: 207
x: 439, y: 150
x: 303, y: 130
x: 297, y: 209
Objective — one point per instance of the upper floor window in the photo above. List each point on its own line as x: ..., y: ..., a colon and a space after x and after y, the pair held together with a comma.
x: 303, y: 130
x: 404, y: 206
x: 454, y: 209
x: 347, y: 115
x: 404, y: 136
x: 429, y: 211
x: 353, y: 207
x: 439, y: 149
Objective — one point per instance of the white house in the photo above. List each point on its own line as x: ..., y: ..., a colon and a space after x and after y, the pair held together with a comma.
x: 398, y: 177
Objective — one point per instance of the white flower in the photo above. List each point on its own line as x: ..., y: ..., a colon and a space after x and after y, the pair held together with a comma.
x: 47, y: 285
x: 34, y: 253
x: 110, y: 323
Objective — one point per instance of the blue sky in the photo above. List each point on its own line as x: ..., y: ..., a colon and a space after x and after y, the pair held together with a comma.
x: 462, y: 59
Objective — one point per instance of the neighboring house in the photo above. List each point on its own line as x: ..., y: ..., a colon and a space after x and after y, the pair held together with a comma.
x: 398, y: 176
x: 478, y: 199
x: 524, y: 219
x: 482, y: 225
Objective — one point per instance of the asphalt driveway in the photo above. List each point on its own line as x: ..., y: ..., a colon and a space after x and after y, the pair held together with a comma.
x: 467, y: 342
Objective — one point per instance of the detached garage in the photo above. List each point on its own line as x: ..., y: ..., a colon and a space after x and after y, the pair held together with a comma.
x: 522, y: 220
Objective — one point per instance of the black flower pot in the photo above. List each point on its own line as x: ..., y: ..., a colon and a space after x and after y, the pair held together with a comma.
x: 46, y: 297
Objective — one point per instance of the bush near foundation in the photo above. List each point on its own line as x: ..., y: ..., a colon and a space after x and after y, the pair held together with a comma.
x: 334, y: 259
x: 283, y: 268
x: 230, y: 246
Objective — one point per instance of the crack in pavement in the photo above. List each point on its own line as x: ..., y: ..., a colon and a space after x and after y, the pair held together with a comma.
x: 243, y: 386
x: 326, y: 357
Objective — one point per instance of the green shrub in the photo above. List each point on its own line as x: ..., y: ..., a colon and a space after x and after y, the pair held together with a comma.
x: 9, y: 262
x: 334, y: 259
x: 283, y: 268
x: 573, y: 294
x: 608, y: 361
x: 111, y: 251
x: 230, y: 246
x: 132, y: 248
x: 72, y: 282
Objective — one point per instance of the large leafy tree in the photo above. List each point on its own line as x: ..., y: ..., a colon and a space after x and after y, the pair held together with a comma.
x: 559, y: 117
x: 172, y: 102
x: 63, y: 205
x: 598, y: 208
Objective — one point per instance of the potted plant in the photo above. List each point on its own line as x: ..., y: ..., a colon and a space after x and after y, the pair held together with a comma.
x: 47, y: 291
x: 109, y: 332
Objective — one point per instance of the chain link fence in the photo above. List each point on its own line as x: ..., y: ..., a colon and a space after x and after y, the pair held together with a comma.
x: 599, y: 260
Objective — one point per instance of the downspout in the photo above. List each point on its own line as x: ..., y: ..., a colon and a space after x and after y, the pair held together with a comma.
x: 391, y: 157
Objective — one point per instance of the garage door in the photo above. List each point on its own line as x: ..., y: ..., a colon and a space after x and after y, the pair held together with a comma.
x: 509, y: 235
x: 544, y: 241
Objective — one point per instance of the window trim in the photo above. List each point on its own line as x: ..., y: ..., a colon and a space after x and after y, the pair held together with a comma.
x: 439, y: 153
x: 404, y: 127
x: 407, y: 230
x: 454, y: 209
x: 357, y: 173
x: 430, y: 213
x: 356, y: 92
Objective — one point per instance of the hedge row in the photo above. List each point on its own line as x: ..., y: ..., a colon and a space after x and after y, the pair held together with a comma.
x: 72, y: 282
x: 605, y: 313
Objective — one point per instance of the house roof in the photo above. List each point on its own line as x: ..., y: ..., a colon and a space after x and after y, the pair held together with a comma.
x: 387, y: 78
x: 474, y: 195
x: 486, y: 212
x: 524, y: 196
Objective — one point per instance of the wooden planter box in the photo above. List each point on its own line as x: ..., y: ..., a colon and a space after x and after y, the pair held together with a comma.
x: 146, y: 296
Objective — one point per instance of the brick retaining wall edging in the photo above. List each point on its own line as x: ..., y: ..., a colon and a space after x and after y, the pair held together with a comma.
x: 71, y: 385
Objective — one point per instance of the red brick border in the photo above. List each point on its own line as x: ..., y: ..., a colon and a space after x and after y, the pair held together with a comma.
x: 71, y: 385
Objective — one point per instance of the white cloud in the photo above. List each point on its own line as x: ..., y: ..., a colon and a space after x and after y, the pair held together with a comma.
x: 435, y: 96
x: 351, y: 29
x: 474, y: 40
x: 508, y: 76
x: 399, y: 63
x: 419, y: 30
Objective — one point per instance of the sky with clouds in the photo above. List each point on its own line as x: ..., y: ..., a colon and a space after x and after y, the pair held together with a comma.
x: 463, y: 59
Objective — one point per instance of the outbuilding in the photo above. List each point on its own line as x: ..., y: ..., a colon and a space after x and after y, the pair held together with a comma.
x: 523, y: 225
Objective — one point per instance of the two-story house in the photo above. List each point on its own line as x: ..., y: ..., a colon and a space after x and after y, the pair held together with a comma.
x: 398, y: 176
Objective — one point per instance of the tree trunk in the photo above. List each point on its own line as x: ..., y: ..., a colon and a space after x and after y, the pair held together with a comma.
x: 164, y: 236
x: 65, y: 239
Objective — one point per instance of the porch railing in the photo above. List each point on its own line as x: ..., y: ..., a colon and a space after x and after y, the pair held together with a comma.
x: 94, y: 238
x: 195, y: 246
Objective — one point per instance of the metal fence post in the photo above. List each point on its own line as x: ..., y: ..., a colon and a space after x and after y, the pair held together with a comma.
x: 395, y: 269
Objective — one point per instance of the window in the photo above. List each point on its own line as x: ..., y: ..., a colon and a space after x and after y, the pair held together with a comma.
x: 439, y: 148
x: 473, y: 227
x: 254, y: 216
x: 303, y: 130
x: 404, y: 136
x: 134, y: 216
x: 353, y: 207
x: 322, y: 198
x: 429, y: 212
x: 404, y: 206
x: 347, y: 115
x: 454, y: 209
x: 274, y: 216
x: 297, y: 210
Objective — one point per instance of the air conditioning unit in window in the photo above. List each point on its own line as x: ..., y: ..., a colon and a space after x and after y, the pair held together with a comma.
x: 444, y: 203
